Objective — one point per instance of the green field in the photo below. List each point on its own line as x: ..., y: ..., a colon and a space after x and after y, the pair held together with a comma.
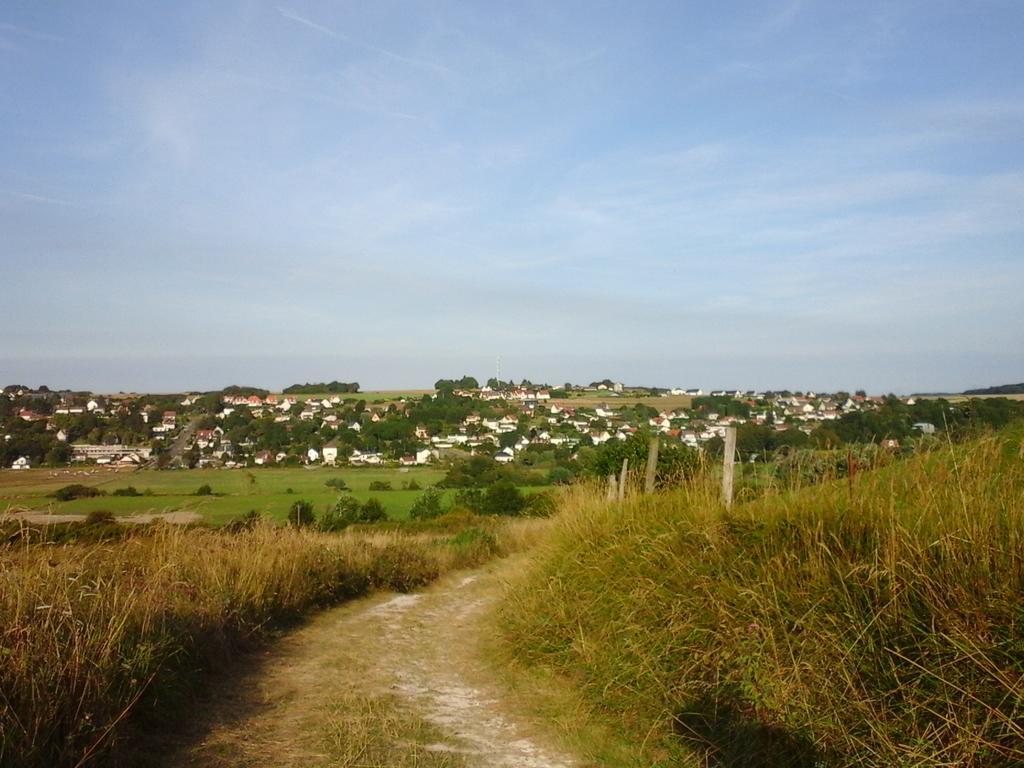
x: 378, y: 396
x: 236, y: 491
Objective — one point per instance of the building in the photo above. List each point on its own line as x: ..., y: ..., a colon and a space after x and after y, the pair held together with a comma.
x: 108, y: 453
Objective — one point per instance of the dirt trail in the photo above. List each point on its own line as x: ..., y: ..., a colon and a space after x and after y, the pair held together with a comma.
x: 392, y: 680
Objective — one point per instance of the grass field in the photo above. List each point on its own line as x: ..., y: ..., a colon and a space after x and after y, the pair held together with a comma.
x: 236, y: 491
x: 373, y: 396
x: 592, y: 399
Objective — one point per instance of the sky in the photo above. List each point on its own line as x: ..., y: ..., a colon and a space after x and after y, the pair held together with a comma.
x: 804, y: 195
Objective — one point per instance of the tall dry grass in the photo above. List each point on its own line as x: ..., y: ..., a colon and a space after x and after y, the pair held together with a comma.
x: 872, y: 622
x: 92, y: 634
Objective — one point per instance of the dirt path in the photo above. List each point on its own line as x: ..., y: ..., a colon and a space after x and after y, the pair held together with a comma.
x: 393, y: 680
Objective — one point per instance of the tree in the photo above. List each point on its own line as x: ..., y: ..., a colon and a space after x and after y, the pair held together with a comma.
x: 301, y: 514
x: 427, y: 505
x: 503, y: 498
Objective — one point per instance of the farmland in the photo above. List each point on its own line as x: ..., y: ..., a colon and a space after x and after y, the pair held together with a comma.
x: 269, y: 491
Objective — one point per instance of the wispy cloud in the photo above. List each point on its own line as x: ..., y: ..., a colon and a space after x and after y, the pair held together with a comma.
x: 30, y: 34
x: 418, y: 63
x: 40, y: 199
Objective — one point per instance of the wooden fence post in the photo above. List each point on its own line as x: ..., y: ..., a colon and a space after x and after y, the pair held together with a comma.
x: 728, y: 459
x: 652, y: 466
x: 622, y: 479
x: 612, y: 487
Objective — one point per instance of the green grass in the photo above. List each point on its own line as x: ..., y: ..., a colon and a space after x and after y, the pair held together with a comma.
x: 872, y: 623
x: 236, y: 491
x: 379, y: 396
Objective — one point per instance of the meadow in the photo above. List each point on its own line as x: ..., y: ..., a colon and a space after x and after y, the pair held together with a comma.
x: 270, y: 491
x: 867, y: 621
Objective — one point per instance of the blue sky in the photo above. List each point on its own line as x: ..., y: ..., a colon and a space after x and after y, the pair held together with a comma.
x: 805, y: 195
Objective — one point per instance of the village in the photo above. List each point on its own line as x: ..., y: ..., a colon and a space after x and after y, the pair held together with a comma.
x: 505, y: 423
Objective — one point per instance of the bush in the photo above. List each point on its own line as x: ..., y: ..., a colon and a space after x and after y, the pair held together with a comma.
x: 245, y: 522
x: 337, y: 483
x: 560, y: 476
x: 503, y: 499
x: 347, y: 511
x: 428, y: 505
x: 469, y: 499
x: 76, y: 491
x: 301, y: 514
x: 413, y: 486
x: 204, y: 490
x: 380, y: 485
x: 372, y: 512
x: 131, y: 490
x: 100, y: 517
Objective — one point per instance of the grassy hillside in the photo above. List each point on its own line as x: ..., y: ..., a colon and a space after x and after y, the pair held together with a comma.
x: 95, y: 635
x: 875, y: 623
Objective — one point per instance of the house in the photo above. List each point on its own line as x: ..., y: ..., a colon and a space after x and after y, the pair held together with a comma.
x: 505, y: 456
x: 331, y: 453
x: 62, y: 435
x: 313, y: 455
x: 925, y: 428
x: 21, y: 463
x: 424, y: 456
x: 369, y: 457
x: 263, y: 457
x: 170, y: 418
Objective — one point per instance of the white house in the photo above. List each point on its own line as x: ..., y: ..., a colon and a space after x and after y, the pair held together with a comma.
x: 424, y: 455
x: 21, y: 463
x: 330, y: 454
x: 505, y: 456
x: 313, y: 455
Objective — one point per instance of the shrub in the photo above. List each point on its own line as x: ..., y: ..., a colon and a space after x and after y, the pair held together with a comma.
x: 76, y: 491
x: 204, y: 490
x: 503, y: 499
x: 429, y: 504
x: 413, y: 486
x: 131, y: 490
x: 469, y: 499
x: 372, y: 512
x: 245, y: 522
x: 100, y: 517
x: 301, y: 514
x: 380, y: 485
x: 347, y: 511
x: 560, y: 476
x: 337, y: 483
